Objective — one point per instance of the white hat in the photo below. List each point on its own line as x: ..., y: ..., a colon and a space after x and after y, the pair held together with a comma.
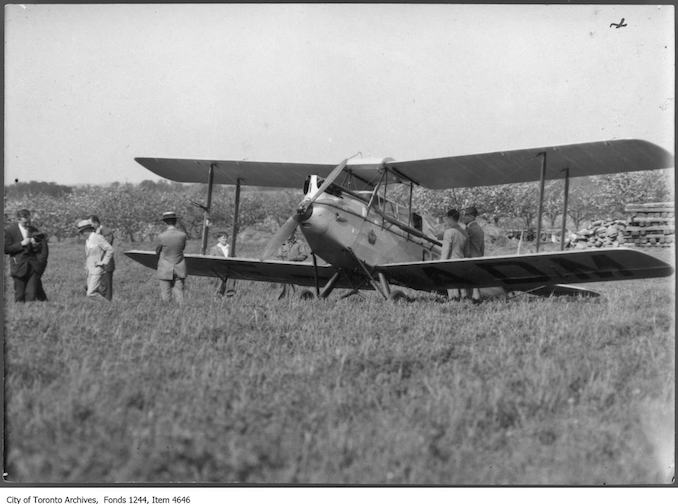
x: 85, y: 224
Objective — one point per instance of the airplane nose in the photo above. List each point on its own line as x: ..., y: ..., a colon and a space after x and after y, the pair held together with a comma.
x: 302, y: 217
x: 317, y: 220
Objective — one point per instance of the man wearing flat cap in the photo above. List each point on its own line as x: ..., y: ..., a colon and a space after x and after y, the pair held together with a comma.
x: 171, y: 263
x: 475, y: 245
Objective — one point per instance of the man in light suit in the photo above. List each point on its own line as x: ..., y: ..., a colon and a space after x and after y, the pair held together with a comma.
x: 107, y: 277
x: 171, y: 263
x: 98, y: 255
x: 28, y: 251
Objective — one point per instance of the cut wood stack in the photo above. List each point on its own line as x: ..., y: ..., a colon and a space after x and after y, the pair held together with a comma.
x: 650, y: 224
x: 601, y: 233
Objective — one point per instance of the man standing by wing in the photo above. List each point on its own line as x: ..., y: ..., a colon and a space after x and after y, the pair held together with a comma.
x: 222, y: 249
x: 454, y: 245
x: 171, y: 263
x: 475, y: 246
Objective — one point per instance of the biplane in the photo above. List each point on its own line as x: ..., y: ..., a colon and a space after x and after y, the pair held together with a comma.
x: 368, y: 241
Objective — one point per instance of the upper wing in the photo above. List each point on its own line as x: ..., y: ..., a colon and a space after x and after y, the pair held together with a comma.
x: 594, y: 158
x: 253, y: 173
x: 526, y: 271
x: 247, y: 269
x: 494, y: 168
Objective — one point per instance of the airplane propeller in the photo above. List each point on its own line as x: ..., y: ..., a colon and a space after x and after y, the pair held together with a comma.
x: 290, y: 225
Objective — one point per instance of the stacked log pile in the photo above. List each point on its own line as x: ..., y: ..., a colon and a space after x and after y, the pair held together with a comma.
x: 650, y: 224
x: 601, y: 233
x: 647, y: 225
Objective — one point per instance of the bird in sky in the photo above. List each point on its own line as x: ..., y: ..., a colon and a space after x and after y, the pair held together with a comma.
x: 618, y: 25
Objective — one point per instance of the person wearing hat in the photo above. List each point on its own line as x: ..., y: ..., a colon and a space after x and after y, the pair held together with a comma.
x: 28, y: 252
x: 454, y: 245
x: 40, y: 240
x: 107, y: 279
x: 475, y: 246
x: 98, y: 255
x: 171, y: 264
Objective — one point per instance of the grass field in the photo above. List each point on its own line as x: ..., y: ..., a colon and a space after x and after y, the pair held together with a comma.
x: 255, y: 390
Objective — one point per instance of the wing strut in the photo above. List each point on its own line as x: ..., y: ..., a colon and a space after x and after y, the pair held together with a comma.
x: 409, y: 208
x: 315, y: 275
x: 541, y: 196
x: 236, y: 210
x: 207, y: 209
x: 567, y: 192
x: 368, y: 275
x: 329, y: 286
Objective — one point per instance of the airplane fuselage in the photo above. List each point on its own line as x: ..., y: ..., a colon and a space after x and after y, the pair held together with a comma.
x: 340, y: 223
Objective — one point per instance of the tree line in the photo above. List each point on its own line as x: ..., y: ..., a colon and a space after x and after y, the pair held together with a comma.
x: 590, y: 198
x: 134, y: 209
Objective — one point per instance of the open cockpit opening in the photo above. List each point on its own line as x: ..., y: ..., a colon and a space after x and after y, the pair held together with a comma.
x: 375, y: 200
x: 312, y: 185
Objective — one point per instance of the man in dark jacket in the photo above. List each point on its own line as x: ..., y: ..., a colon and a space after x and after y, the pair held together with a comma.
x: 454, y: 247
x: 28, y: 251
x: 171, y: 270
x: 476, y: 236
x: 475, y: 246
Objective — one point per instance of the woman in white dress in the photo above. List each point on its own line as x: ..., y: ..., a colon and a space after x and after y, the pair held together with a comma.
x: 98, y: 253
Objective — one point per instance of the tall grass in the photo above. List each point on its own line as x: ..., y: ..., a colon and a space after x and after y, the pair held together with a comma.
x: 251, y: 389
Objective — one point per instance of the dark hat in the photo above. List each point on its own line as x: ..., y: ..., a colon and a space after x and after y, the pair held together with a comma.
x: 169, y: 215
x: 454, y: 213
x: 84, y: 225
x: 471, y: 211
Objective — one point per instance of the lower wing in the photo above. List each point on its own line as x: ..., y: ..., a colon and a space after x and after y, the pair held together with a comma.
x: 538, y: 274
x: 247, y: 269
x: 527, y: 272
x: 559, y: 290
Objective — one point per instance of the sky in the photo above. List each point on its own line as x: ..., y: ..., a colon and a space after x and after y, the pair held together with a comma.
x: 90, y: 87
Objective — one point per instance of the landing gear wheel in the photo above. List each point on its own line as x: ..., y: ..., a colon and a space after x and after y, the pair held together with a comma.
x: 398, y: 296
x: 306, y: 295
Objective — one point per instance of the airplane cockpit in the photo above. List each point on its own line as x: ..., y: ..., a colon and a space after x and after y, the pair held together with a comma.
x: 313, y: 183
x: 386, y: 206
